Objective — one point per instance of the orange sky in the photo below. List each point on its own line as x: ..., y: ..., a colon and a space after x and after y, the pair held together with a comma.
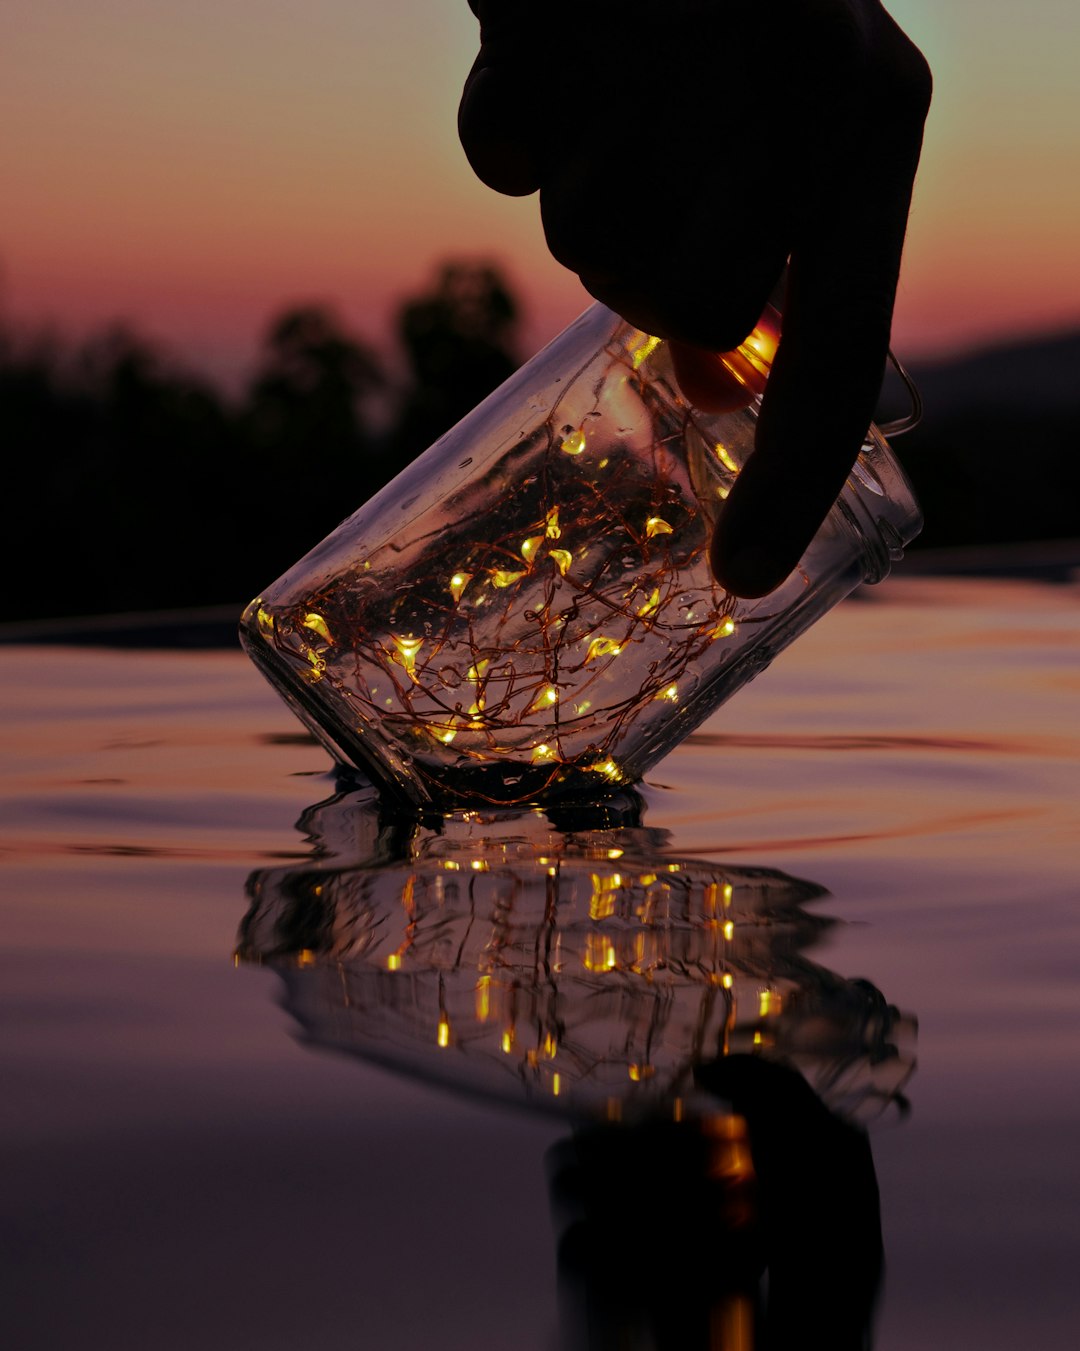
x: 192, y: 167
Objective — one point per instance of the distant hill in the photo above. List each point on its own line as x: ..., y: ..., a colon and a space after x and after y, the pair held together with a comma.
x: 996, y: 458
x: 1042, y: 374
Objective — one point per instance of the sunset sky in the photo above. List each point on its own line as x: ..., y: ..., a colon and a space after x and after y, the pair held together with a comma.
x: 191, y: 167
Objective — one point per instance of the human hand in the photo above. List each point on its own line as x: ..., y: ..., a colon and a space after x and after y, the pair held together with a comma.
x: 688, y: 157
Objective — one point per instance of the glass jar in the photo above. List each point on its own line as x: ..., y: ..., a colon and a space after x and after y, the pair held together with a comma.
x: 527, y: 612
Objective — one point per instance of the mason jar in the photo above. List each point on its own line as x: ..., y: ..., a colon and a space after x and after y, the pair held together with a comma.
x: 527, y: 613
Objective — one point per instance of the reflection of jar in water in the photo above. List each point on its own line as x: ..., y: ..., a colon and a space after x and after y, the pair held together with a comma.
x: 527, y: 611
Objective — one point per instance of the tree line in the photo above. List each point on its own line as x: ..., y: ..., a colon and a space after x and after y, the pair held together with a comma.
x: 135, y: 485
x: 132, y: 485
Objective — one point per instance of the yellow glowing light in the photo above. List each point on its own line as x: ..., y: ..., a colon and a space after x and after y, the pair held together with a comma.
x: 729, y: 892
x: 508, y: 1041
x: 503, y: 578
x: 530, y: 546
x: 553, y: 871
x: 562, y: 558
x: 458, y: 583
x: 724, y: 629
x: 647, y: 879
x: 761, y: 344
x: 556, y: 1084
x: 768, y: 1002
x: 407, y: 651
x: 643, y: 351
x: 640, y: 1072
x: 551, y: 524
x: 669, y: 692
x: 305, y: 957
x: 317, y: 624
x: 265, y: 621
x: 724, y: 456
x: 758, y: 1039
x: 447, y: 735
x: 542, y: 752
x: 727, y: 980
x: 603, y: 647
x: 550, y: 1046
x: 722, y: 493
x: 599, y: 953
x: 574, y: 444
x: 656, y: 525
x: 483, y: 998
x: 732, y: 1323
x: 615, y: 853
x: 602, y: 900
x: 393, y: 962
x: 729, y: 930
x: 547, y: 698
x: 584, y: 706
x: 651, y: 604
x: 443, y: 1034
x: 451, y: 865
x: 316, y: 666
x: 479, y: 865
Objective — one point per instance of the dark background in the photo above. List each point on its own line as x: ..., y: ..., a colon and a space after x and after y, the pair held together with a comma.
x: 136, y: 486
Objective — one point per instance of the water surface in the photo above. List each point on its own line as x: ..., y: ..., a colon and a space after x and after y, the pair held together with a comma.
x: 214, y: 1150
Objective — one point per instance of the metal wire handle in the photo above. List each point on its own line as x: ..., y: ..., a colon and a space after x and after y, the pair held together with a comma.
x: 911, y: 419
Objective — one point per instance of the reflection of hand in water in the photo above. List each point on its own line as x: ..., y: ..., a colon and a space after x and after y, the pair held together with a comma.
x: 666, y: 1229
x: 665, y: 1005
x: 818, y: 1204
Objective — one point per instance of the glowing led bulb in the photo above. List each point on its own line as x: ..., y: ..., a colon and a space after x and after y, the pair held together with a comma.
x: 458, y: 583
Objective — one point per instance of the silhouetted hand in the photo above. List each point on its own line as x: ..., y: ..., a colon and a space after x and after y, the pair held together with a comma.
x: 819, y: 1206
x: 661, y: 1224
x: 686, y: 153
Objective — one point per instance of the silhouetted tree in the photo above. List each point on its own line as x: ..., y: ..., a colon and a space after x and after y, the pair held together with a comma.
x: 115, y: 466
x: 460, y: 341
x: 311, y: 454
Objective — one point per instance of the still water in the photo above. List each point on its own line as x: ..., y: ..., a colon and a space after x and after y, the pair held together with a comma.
x: 280, y: 1070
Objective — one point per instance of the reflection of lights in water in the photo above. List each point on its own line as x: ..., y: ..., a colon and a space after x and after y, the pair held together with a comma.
x: 522, y: 946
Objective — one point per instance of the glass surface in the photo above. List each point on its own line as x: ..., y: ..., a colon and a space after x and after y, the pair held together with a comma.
x: 207, y: 1146
x: 527, y: 612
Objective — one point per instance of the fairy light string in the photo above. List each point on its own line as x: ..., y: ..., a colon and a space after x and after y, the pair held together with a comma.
x: 545, y: 606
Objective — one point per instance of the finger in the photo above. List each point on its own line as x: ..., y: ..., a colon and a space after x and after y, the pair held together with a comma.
x: 827, y: 375
x: 498, y: 114
x: 496, y: 132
